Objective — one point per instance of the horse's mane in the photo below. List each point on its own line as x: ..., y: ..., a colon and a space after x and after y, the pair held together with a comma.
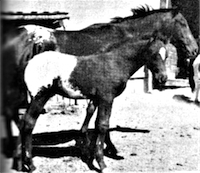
x: 140, y: 12
x: 137, y: 13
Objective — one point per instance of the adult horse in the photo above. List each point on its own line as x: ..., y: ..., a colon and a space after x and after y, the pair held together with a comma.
x: 99, y: 77
x: 103, y: 37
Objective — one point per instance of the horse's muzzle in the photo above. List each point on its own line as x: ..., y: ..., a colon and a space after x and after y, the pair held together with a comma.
x: 161, y: 79
x: 193, y: 54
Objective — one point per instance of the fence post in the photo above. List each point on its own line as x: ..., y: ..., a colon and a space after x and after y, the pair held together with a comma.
x: 148, y: 80
x: 165, y: 3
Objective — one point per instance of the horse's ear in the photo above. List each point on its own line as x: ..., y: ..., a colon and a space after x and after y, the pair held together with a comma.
x: 175, y: 11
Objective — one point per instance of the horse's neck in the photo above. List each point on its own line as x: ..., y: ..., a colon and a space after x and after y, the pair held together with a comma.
x: 102, y: 37
x: 146, y: 27
x: 131, y: 56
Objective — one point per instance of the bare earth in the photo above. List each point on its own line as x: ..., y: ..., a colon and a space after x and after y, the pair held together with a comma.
x: 172, y: 144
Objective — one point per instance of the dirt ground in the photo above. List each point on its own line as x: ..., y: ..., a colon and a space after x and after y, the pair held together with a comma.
x: 172, y: 143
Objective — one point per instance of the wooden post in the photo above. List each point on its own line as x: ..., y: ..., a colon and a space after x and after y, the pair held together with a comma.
x: 165, y: 3
x: 148, y: 80
x: 76, y: 102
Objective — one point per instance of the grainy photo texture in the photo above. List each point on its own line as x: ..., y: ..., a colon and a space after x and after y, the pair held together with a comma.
x: 100, y: 86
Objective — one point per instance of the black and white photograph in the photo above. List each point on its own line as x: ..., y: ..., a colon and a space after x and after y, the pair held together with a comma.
x: 100, y: 86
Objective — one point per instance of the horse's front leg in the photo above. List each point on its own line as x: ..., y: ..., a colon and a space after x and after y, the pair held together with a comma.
x: 85, y: 140
x: 110, y: 149
x: 89, y: 112
x: 101, y: 126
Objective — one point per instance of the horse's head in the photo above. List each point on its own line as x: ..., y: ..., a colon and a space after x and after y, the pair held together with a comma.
x: 156, y: 54
x: 182, y: 37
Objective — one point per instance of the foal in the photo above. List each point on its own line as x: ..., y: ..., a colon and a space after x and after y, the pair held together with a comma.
x: 100, y: 78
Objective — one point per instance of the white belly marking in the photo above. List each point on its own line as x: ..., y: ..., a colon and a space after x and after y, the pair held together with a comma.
x: 44, y: 67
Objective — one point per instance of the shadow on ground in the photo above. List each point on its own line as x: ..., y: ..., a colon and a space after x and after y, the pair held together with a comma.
x: 186, y: 99
x: 44, y: 144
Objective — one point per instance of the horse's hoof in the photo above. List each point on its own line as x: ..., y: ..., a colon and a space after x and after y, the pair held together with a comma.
x: 19, y: 165
x: 43, y: 111
x: 110, y: 151
x: 102, y: 165
x: 28, y: 168
x: 116, y: 157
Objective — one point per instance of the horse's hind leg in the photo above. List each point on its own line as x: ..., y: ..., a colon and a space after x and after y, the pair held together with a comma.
x: 26, y: 127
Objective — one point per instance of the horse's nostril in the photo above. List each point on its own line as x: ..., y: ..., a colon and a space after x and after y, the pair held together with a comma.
x: 163, y: 79
x: 195, y: 52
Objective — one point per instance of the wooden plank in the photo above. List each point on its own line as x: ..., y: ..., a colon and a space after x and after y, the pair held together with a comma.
x: 177, y: 83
